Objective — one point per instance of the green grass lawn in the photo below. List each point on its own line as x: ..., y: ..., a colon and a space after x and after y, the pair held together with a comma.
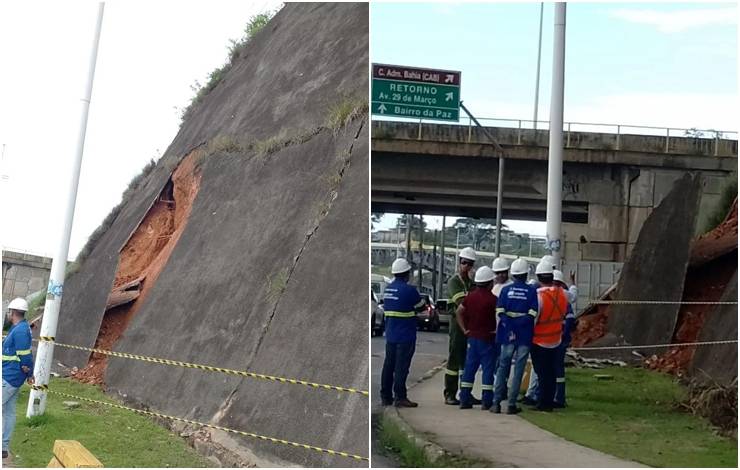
x: 118, y: 438
x: 634, y: 417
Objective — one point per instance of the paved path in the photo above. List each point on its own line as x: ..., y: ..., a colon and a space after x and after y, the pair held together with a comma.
x: 431, y: 351
x: 503, y: 440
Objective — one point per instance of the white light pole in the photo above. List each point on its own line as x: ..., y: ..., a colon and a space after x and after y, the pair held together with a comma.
x: 555, y: 158
x: 45, y: 352
x: 539, y: 57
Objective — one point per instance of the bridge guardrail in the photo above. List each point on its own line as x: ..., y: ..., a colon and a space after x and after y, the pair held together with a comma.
x: 571, y: 127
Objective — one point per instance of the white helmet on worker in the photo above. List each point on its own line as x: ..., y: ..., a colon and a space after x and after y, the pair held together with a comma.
x: 557, y: 275
x: 549, y: 259
x: 484, y: 275
x: 500, y: 264
x: 543, y: 268
x: 18, y: 304
x: 467, y: 253
x: 519, y: 266
x: 400, y: 265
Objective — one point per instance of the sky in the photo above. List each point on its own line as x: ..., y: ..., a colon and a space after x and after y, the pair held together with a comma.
x: 150, y: 55
x: 645, y: 64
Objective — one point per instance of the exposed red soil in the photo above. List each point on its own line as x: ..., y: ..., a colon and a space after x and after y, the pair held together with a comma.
x: 143, y: 257
x: 713, y: 263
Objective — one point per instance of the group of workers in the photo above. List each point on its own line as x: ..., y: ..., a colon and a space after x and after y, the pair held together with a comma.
x: 499, y: 319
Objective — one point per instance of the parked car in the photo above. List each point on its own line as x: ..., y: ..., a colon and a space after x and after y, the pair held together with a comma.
x: 378, y: 283
x: 377, y: 316
x: 429, y: 317
x: 443, y: 310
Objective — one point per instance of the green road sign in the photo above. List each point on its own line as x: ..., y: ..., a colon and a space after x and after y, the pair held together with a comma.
x: 415, y: 93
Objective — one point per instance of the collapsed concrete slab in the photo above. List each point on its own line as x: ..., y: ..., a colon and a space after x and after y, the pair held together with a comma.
x: 656, y: 268
x: 269, y: 273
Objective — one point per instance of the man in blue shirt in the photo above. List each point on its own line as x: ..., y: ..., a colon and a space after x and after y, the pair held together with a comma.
x: 516, y: 308
x: 17, y: 365
x: 401, y: 302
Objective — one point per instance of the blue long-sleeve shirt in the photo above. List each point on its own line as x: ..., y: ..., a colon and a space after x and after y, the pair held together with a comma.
x: 17, y: 353
x: 517, y: 309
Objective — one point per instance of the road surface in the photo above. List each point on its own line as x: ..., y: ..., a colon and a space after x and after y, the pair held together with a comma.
x: 431, y: 351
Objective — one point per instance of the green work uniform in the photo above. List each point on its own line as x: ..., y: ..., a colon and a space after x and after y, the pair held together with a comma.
x: 457, y: 289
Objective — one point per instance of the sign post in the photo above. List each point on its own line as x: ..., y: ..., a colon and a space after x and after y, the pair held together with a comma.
x: 416, y: 93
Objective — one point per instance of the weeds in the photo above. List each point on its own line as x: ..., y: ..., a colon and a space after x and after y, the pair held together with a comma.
x: 276, y: 285
x: 345, y: 111
x: 726, y: 198
x: 236, y: 47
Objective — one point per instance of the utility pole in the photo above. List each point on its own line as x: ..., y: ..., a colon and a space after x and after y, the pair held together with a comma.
x: 441, y: 277
x: 434, y: 267
x: 398, y: 239
x: 421, y: 251
x: 539, y: 57
x: 45, y: 352
x: 500, y: 184
x: 555, y: 158
x: 408, y: 239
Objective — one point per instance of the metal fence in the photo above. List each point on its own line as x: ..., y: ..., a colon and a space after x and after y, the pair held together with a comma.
x: 570, y: 127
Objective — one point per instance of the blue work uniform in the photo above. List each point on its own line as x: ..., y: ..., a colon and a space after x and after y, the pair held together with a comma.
x: 401, y: 301
x: 517, y: 309
x: 16, y: 354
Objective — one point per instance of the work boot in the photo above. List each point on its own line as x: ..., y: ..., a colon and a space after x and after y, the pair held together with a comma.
x: 386, y: 402
x: 559, y: 405
x: 452, y: 401
x: 512, y: 410
x: 476, y: 401
x: 465, y: 406
x: 486, y: 406
x: 528, y: 401
x: 5, y: 454
x: 496, y: 409
x: 405, y: 403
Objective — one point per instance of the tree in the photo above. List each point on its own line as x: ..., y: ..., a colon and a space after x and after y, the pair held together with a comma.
x: 375, y: 218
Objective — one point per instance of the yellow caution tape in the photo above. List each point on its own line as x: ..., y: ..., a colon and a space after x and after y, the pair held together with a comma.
x: 650, y: 346
x: 241, y: 373
x: 658, y: 302
x: 213, y: 426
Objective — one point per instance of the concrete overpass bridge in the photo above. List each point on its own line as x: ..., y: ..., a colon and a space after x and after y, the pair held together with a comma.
x: 611, y: 182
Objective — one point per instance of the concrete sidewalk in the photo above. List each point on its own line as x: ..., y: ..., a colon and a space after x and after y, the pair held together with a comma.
x: 502, y: 440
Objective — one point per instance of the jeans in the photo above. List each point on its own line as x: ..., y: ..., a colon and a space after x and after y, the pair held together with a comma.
x: 560, y: 376
x: 480, y: 354
x: 533, y: 391
x: 545, y: 362
x: 396, y: 370
x: 520, y: 353
x: 10, y: 397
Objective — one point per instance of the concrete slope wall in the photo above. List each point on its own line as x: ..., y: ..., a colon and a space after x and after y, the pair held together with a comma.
x: 270, y: 271
x: 719, y: 363
x: 656, y: 268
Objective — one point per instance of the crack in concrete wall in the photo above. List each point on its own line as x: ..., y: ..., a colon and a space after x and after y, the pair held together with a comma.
x: 332, y: 197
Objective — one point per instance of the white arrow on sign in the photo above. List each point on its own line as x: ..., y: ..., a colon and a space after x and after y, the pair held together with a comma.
x: 449, y: 78
x: 381, y: 108
x: 448, y: 96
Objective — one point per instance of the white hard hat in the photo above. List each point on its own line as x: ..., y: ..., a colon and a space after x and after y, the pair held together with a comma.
x: 543, y: 268
x: 484, y: 274
x: 558, y: 276
x: 400, y: 266
x: 467, y: 253
x: 519, y: 266
x: 549, y: 259
x: 18, y: 304
x: 500, y: 264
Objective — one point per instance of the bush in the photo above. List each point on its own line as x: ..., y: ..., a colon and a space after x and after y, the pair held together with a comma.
x: 727, y: 197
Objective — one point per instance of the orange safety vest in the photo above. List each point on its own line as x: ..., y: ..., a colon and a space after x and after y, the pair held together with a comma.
x: 549, y: 326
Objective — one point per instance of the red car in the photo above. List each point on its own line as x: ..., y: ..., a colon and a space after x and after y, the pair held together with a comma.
x: 428, y: 319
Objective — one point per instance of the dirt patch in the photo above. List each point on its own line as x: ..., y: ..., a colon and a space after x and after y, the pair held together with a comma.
x: 591, y: 327
x: 143, y: 258
x: 713, y: 263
